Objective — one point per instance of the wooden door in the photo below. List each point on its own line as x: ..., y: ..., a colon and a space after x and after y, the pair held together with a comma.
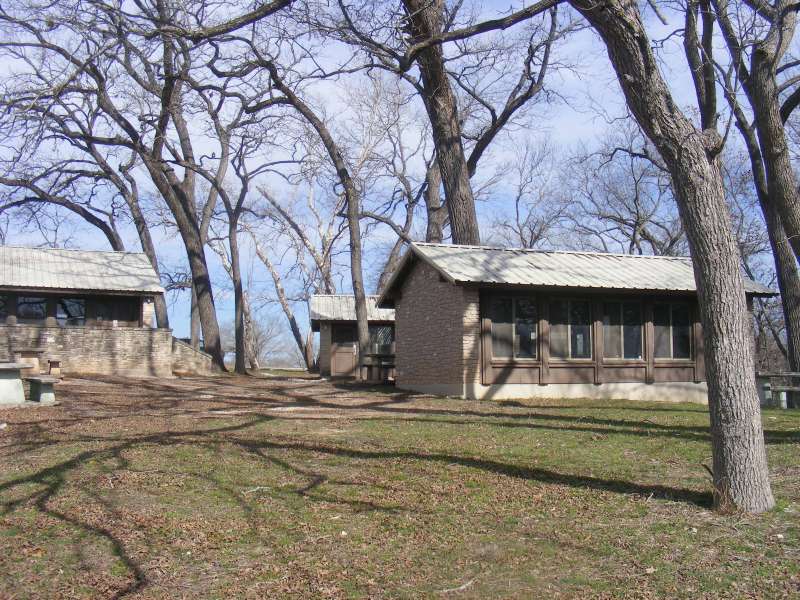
x: 344, y: 350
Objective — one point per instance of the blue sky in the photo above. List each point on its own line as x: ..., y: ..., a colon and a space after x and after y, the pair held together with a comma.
x: 591, y: 98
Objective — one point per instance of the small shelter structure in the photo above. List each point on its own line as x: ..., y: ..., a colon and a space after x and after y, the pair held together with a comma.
x: 85, y: 311
x: 485, y: 322
x: 334, y: 317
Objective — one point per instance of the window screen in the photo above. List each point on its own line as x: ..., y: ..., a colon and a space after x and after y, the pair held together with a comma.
x: 622, y: 330
x: 71, y: 311
x: 525, y: 327
x: 31, y: 310
x: 500, y: 312
x: 580, y: 340
x: 681, y: 331
x: 661, y: 328
x: 381, y: 338
x: 673, y: 330
x: 570, y: 329
x: 559, y: 329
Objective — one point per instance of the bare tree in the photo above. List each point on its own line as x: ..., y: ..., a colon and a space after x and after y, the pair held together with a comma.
x: 757, y: 49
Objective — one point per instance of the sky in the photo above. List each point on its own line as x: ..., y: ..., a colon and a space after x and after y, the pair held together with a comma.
x: 589, y: 101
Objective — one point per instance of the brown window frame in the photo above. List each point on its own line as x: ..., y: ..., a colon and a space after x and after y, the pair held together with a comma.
x: 569, y: 300
x: 671, y: 359
x: 642, y: 326
x: 513, y: 298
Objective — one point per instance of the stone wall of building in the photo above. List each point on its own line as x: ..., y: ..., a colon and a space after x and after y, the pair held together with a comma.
x: 471, y: 326
x: 429, y: 330
x: 188, y: 361
x: 131, y: 351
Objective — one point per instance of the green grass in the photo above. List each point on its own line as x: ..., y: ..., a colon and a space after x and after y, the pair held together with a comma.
x: 255, y: 488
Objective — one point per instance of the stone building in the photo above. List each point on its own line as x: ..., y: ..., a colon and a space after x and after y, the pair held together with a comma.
x: 334, y: 317
x: 482, y: 322
x: 93, y: 311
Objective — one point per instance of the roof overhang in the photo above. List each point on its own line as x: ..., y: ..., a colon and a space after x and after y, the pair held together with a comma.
x: 392, y: 290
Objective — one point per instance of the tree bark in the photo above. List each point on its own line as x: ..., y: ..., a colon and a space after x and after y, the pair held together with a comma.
x: 740, y: 473
x: 425, y: 21
x: 283, y: 300
x: 240, y: 366
x: 760, y: 85
x: 436, y: 214
x: 781, y: 180
x: 785, y: 261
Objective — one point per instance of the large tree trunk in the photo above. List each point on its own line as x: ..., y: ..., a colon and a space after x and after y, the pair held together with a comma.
x: 741, y: 477
x: 240, y: 365
x: 785, y: 261
x: 425, y: 20
x: 433, y: 205
x: 781, y: 181
x: 146, y: 240
x: 201, y: 282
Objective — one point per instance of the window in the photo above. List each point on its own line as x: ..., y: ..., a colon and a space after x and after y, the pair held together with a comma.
x: 71, y: 312
x: 103, y: 310
x: 381, y: 338
x: 672, y: 326
x: 514, y: 327
x: 3, y: 309
x: 525, y: 328
x: 622, y: 330
x: 570, y: 329
x: 344, y: 335
x: 31, y: 310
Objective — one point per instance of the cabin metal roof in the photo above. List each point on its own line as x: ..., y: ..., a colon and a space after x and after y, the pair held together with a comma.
x: 560, y: 269
x: 342, y: 307
x: 88, y: 270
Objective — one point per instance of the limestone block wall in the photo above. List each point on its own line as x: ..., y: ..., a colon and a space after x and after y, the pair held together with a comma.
x: 188, y: 361
x: 130, y: 351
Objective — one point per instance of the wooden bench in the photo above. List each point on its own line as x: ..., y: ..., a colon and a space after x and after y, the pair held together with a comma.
x: 42, y: 390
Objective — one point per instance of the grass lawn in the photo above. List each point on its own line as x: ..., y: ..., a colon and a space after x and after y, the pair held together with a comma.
x: 283, y: 487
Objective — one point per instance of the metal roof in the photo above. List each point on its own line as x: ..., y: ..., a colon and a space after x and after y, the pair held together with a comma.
x: 342, y: 307
x: 490, y: 265
x: 60, y: 269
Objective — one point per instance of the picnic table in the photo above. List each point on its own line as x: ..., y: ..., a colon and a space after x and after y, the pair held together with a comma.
x: 773, y: 394
x: 11, y: 390
x: 31, y: 356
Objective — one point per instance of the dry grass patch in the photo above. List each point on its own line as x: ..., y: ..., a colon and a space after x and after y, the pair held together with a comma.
x: 282, y: 486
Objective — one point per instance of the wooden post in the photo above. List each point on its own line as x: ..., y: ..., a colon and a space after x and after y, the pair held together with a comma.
x: 544, y: 341
x: 597, y: 338
x: 649, y: 341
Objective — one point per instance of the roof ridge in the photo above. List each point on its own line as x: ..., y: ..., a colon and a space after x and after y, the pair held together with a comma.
x: 539, y: 251
x: 45, y: 248
x: 342, y: 295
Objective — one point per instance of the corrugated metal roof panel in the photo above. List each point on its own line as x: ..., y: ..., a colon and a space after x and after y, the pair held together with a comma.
x: 482, y: 264
x: 53, y: 268
x: 342, y: 307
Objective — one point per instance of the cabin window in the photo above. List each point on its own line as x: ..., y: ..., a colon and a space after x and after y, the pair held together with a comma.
x: 514, y: 327
x: 672, y: 325
x: 344, y: 335
x: 31, y: 310
x: 570, y: 329
x: 622, y: 330
x: 125, y: 311
x: 381, y: 338
x: 71, y: 312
